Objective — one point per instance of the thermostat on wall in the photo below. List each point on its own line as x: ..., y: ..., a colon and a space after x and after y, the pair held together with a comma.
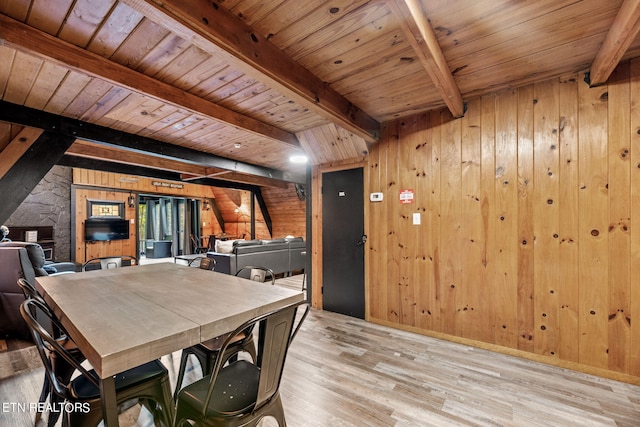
x: 375, y: 197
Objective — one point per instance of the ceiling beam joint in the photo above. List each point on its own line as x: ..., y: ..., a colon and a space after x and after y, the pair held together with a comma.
x: 623, y: 31
x: 74, y: 128
x: 19, y: 36
x: 214, y: 29
x: 421, y: 37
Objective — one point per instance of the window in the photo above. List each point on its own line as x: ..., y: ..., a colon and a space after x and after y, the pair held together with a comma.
x: 105, y: 209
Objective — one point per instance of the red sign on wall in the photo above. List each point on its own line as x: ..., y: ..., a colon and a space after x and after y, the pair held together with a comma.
x: 406, y: 196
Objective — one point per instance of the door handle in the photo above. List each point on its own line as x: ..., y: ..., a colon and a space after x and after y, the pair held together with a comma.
x: 362, y: 240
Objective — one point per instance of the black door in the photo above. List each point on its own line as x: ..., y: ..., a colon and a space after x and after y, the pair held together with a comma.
x: 343, y: 242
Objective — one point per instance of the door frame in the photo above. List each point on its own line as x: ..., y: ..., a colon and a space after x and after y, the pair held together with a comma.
x: 316, y: 225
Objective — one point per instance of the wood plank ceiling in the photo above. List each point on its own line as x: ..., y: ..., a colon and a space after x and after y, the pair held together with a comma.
x: 258, y: 81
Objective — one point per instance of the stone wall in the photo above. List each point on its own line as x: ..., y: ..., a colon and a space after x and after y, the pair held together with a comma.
x: 49, y: 204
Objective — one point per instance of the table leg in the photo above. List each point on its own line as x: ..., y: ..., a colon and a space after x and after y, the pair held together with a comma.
x: 109, y: 402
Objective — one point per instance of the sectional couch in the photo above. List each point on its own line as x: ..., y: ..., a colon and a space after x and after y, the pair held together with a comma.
x: 283, y: 256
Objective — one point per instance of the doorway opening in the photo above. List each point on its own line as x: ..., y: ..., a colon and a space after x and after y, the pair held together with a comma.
x: 166, y: 224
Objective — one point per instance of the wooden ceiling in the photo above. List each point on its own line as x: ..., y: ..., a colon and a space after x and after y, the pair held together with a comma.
x: 257, y: 81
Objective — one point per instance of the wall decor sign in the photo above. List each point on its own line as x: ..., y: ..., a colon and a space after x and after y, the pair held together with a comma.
x: 406, y: 196
x: 166, y: 184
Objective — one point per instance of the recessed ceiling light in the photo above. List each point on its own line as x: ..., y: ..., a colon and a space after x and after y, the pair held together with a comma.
x: 300, y: 158
x: 237, y: 145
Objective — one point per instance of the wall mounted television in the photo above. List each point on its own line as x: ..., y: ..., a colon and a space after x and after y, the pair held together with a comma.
x: 104, y: 229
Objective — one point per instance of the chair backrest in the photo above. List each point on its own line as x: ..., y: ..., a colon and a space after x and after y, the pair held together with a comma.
x: 194, y: 242
x: 28, y: 289
x: 46, y: 343
x: 275, y: 334
x: 105, y: 263
x: 203, y: 262
x: 207, y: 264
x: 113, y: 262
x: 211, y: 242
x: 257, y: 273
x: 30, y: 292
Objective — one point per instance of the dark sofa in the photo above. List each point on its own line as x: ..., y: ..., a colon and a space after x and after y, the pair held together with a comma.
x: 283, y: 256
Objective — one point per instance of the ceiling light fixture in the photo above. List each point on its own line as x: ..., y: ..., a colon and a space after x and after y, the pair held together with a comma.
x: 299, y: 158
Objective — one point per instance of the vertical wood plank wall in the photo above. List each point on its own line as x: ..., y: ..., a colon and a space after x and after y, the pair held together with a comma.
x: 85, y: 251
x: 529, y: 239
x: 286, y: 210
x: 117, y: 187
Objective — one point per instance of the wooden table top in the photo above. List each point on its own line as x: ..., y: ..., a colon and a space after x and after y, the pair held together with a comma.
x: 122, y: 318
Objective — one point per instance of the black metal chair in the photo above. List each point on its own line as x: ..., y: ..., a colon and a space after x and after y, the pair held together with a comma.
x: 196, y: 246
x: 257, y: 273
x: 105, y: 263
x: 148, y: 383
x: 60, y: 367
x: 242, y: 393
x: 204, y: 263
x: 207, y: 352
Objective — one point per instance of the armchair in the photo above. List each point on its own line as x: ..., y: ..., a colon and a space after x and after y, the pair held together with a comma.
x: 21, y: 260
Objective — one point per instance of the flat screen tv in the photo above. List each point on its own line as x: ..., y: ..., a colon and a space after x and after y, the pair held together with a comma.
x: 103, y: 229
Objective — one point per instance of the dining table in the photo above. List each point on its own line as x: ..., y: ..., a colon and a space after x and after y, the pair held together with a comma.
x: 124, y: 317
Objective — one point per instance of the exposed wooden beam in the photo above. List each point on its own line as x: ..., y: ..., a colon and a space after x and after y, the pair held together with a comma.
x: 420, y: 35
x: 186, y: 177
x: 22, y: 37
x: 78, y: 129
x: 29, y: 169
x: 211, y: 27
x: 17, y: 147
x: 96, y: 151
x: 238, y: 177
x: 262, y: 204
x: 217, y: 213
x: 623, y: 31
x: 114, y: 167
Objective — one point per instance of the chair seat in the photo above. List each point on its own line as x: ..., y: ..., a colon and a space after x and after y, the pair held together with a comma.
x: 235, y: 391
x: 67, y: 344
x: 208, y: 351
x: 214, y: 344
x: 242, y: 393
x: 83, y: 389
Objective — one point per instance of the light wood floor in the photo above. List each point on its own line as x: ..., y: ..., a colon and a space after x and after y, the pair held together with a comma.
x: 342, y: 371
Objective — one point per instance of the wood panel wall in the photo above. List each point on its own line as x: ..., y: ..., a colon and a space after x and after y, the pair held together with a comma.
x: 529, y: 239
x: 286, y: 210
x: 87, y: 250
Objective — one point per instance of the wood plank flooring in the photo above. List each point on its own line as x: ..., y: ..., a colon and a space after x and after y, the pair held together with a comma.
x: 342, y: 371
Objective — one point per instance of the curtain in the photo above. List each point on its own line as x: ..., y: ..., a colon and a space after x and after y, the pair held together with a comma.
x: 151, y: 220
x: 173, y: 219
x: 177, y: 235
x: 164, y: 227
x: 194, y: 224
x: 188, y: 229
